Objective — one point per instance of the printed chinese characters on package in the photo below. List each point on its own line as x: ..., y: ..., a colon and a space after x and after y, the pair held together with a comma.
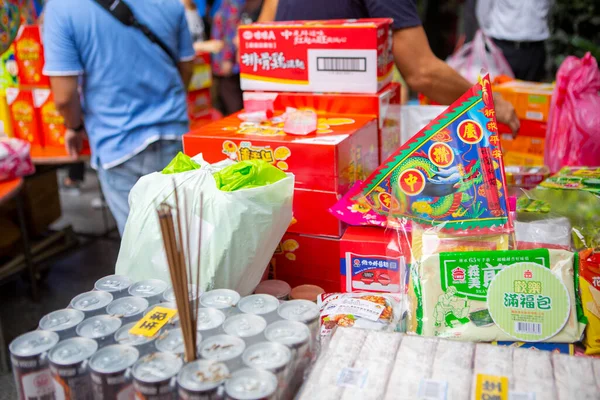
x: 348, y: 56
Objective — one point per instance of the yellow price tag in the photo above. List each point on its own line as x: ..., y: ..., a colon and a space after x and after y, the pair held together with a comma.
x: 153, y: 321
x: 491, y: 387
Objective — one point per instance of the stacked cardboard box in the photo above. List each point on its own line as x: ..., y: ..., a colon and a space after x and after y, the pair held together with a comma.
x: 199, y: 101
x: 341, y: 70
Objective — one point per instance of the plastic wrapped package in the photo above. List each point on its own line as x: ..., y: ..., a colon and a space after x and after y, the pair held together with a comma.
x: 15, y: 160
x: 550, y: 233
x: 574, y: 378
x: 589, y: 286
x: 459, y: 355
x: 532, y: 373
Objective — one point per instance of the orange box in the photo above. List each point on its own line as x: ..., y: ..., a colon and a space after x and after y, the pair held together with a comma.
x: 199, y: 103
x: 25, y: 121
x: 531, y: 100
x: 52, y: 124
x: 528, y: 147
x: 29, y: 55
x: 342, y: 151
x: 201, y: 75
x: 312, y: 216
x: 347, y: 56
x: 385, y: 105
x: 303, y: 259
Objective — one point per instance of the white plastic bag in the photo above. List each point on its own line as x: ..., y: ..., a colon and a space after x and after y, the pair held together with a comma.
x: 413, y: 118
x: 240, y: 229
x: 480, y: 53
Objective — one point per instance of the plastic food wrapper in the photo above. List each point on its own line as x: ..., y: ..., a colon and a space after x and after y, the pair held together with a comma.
x: 536, y: 226
x: 381, y: 312
x: 354, y: 213
x: 181, y: 163
x: 300, y: 122
x: 589, y: 286
x: 573, y: 131
x: 247, y: 175
x: 575, y: 178
x: 237, y: 244
x: 520, y: 295
x: 15, y: 160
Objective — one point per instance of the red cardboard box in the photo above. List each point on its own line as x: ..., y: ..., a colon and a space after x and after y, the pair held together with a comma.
x: 199, y: 104
x: 201, y: 75
x: 302, y: 259
x: 385, y: 105
x: 25, y: 121
x: 374, y: 260
x: 527, y: 148
x: 312, y: 216
x: 330, y: 160
x: 348, y: 56
x: 52, y: 124
x: 29, y: 55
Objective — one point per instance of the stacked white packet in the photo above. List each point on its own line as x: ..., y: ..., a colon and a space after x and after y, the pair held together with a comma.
x: 574, y: 378
x: 453, y: 364
x: 533, y: 375
x: 491, y: 360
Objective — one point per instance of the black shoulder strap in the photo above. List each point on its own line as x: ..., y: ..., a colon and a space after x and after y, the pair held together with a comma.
x: 121, y: 11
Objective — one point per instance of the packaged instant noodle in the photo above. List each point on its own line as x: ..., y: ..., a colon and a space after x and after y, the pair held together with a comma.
x: 519, y: 295
x: 589, y: 286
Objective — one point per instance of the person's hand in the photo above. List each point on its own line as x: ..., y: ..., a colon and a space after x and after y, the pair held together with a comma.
x: 227, y: 68
x: 74, y: 142
x: 505, y: 113
x: 209, y: 46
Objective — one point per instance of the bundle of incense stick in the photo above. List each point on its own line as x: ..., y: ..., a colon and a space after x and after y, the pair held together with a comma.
x: 177, y: 248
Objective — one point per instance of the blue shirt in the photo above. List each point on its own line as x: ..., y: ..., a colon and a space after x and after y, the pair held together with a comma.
x: 133, y: 94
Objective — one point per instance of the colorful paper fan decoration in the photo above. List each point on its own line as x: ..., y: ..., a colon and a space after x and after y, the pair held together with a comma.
x: 449, y: 175
x: 10, y: 20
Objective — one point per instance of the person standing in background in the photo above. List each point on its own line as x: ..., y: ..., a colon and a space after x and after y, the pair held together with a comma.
x: 134, y: 108
x: 520, y: 29
x: 194, y: 20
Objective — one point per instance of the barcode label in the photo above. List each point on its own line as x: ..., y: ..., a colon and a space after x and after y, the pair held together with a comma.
x: 534, y: 115
x: 521, y: 396
x: 45, y: 397
x: 432, y: 390
x: 352, y: 377
x: 531, y: 328
x: 345, y: 64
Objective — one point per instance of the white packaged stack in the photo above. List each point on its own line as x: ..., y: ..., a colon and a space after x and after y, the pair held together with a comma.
x: 574, y: 378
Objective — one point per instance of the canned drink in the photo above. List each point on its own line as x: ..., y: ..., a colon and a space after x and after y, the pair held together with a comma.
x: 171, y: 341
x: 209, y: 322
x: 222, y: 299
x: 201, y: 380
x: 30, y: 365
x: 68, y: 363
x: 248, y: 327
x: 129, y: 308
x: 251, y: 384
x: 91, y: 303
x: 303, y: 311
x: 154, y: 376
x: 271, y: 356
x: 100, y: 328
x: 224, y: 348
x: 280, y: 289
x: 109, y: 369
x: 150, y: 289
x: 173, y: 322
x: 264, y: 305
x: 142, y: 343
x: 117, y: 285
x: 63, y: 322
x: 169, y: 295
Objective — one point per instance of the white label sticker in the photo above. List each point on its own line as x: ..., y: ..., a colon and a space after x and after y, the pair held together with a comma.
x: 352, y: 377
x: 534, y: 115
x: 359, y: 308
x: 521, y: 395
x: 432, y: 390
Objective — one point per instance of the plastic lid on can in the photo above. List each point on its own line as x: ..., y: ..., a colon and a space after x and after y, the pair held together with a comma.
x: 114, y: 358
x: 280, y: 289
x: 148, y: 288
x: 169, y: 295
x: 299, y: 310
x: 91, y: 301
x: 220, y: 298
x: 72, y: 351
x: 61, y: 320
x: 306, y: 292
x: 289, y: 333
x: 122, y: 336
x: 251, y: 384
x: 209, y: 318
x: 98, y: 327
x: 258, y: 304
x: 127, y: 306
x: 267, y: 355
x: 244, y: 325
x: 222, y: 348
x: 113, y: 283
x: 171, y: 341
x: 33, y: 343
x: 156, y: 367
x: 202, y: 375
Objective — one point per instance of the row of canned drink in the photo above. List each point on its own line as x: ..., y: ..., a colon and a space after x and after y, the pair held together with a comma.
x: 257, y: 345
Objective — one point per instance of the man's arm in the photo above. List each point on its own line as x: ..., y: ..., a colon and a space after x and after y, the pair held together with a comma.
x: 269, y: 10
x: 66, y: 98
x: 427, y: 74
x: 186, y: 70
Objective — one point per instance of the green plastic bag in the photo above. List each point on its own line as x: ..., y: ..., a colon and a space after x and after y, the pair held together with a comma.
x: 247, y: 175
x: 181, y: 163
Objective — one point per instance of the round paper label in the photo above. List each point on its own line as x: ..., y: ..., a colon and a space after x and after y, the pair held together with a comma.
x: 528, y: 302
